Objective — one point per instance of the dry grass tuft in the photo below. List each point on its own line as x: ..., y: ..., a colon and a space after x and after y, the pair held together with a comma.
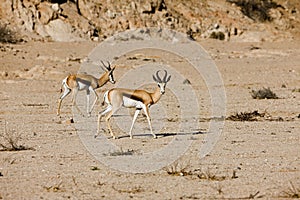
x: 292, y: 192
x: 177, y: 169
x: 121, y: 152
x: 54, y: 188
x: 133, y: 190
x: 265, y: 93
x: 246, y: 116
x: 9, y: 140
x: 210, y: 175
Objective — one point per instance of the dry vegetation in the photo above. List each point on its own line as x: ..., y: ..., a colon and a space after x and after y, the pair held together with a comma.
x: 10, y: 138
x: 7, y: 35
x: 246, y: 116
x: 292, y: 192
x: 264, y: 93
x: 258, y: 10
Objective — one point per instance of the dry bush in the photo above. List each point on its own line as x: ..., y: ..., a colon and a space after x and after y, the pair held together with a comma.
x: 177, y: 169
x: 121, y: 152
x: 246, y: 116
x: 264, y: 93
x: 258, y: 10
x: 9, y: 140
x: 133, y: 190
x: 292, y: 192
x: 210, y: 175
x: 296, y: 90
x: 55, y: 188
x: 7, y: 35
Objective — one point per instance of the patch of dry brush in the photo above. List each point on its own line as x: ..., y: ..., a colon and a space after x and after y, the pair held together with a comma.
x: 9, y: 140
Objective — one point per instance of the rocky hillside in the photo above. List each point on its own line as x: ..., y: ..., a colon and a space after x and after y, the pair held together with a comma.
x: 75, y: 20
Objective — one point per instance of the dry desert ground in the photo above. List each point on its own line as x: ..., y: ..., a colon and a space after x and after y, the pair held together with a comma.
x: 257, y: 158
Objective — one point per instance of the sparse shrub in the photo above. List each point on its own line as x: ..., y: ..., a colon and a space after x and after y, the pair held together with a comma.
x: 133, y: 190
x: 7, y: 35
x: 217, y: 35
x: 54, y: 188
x: 291, y: 192
x: 296, y: 90
x: 265, y: 93
x: 9, y: 140
x: 177, y: 170
x: 209, y: 175
x: 246, y: 116
x: 121, y: 152
x: 258, y: 10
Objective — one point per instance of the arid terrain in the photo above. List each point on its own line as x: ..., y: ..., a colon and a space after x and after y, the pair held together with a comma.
x: 251, y: 158
x: 43, y: 156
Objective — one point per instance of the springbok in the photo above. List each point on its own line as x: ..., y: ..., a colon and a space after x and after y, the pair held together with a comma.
x: 78, y: 82
x: 139, y: 99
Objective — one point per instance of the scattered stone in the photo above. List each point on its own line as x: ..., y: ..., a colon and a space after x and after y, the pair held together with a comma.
x: 87, y: 19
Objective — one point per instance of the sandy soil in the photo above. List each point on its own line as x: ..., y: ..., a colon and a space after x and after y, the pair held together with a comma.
x: 251, y: 159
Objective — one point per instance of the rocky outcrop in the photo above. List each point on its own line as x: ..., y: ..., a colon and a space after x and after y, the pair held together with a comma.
x: 74, y: 20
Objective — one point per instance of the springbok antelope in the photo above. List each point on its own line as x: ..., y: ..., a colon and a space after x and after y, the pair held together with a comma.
x: 139, y: 99
x: 78, y: 82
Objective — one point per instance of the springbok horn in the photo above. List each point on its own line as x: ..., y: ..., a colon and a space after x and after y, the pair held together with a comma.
x: 157, y: 76
x: 108, y: 67
x: 164, y: 79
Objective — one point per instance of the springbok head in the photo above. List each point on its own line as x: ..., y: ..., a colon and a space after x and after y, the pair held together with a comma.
x: 161, y: 83
x: 109, y: 71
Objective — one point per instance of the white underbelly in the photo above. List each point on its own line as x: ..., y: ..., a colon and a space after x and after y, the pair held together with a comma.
x: 82, y: 86
x: 130, y: 103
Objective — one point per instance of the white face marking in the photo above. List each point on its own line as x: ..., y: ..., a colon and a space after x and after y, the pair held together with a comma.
x: 162, y: 87
x: 111, y: 78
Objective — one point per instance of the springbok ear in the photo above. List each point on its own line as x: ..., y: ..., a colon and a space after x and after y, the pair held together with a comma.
x: 168, y: 79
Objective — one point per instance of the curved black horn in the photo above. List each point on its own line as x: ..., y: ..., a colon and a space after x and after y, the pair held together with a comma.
x: 157, y: 76
x: 108, y: 67
x: 105, y: 66
x: 164, y: 79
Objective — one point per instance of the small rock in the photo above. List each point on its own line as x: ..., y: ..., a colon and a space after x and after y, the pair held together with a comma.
x: 55, y: 7
x: 69, y: 121
x: 4, y: 74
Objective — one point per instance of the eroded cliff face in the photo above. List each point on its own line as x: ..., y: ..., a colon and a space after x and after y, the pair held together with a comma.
x: 75, y: 20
